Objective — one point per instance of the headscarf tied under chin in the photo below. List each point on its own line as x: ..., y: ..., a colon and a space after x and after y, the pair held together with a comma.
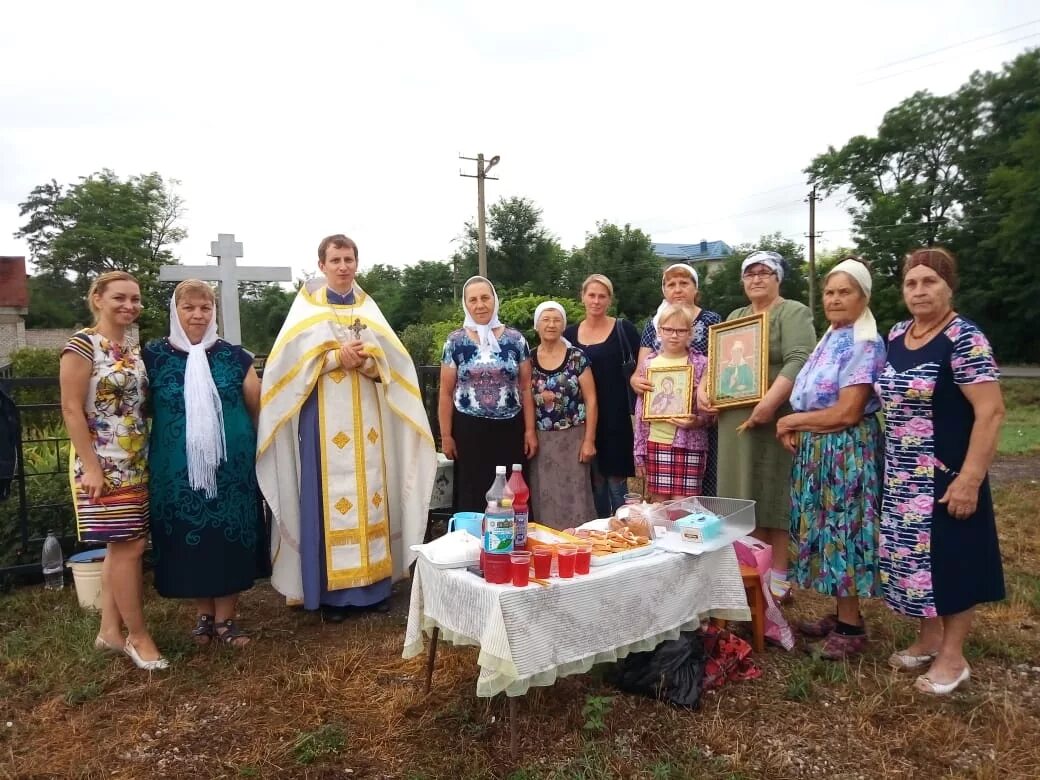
x: 865, y: 327
x: 485, y: 333
x: 545, y: 306
x: 203, y: 413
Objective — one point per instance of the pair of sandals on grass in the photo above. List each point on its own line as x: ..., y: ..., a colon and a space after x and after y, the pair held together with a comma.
x: 208, y: 630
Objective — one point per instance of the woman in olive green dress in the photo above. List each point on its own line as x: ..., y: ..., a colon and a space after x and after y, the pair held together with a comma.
x: 752, y: 463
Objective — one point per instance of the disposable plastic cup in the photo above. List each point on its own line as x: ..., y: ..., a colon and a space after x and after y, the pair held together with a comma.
x: 633, y: 498
x: 520, y: 565
x: 542, y: 563
x: 565, y: 559
x: 583, y: 558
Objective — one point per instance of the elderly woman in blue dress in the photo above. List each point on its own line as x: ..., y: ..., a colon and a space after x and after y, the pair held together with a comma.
x: 835, y: 436
x: 940, y: 392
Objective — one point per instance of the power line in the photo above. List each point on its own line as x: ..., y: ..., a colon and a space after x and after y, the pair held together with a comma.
x: 952, y: 46
x: 944, y: 61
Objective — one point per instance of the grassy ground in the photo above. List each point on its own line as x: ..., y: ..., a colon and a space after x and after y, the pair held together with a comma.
x: 1021, y: 432
x: 335, y: 701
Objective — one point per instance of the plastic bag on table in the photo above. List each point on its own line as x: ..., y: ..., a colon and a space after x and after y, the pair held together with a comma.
x: 640, y: 519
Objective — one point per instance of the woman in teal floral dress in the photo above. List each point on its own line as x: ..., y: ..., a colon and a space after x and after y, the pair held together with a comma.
x: 206, y: 528
x: 835, y: 479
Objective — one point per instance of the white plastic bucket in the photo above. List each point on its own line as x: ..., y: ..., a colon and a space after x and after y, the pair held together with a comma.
x: 86, y: 574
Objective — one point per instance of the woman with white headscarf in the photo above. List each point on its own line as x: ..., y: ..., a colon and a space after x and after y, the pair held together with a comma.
x: 837, y: 442
x: 484, y: 408
x: 207, y: 531
x: 566, y: 411
x: 752, y: 463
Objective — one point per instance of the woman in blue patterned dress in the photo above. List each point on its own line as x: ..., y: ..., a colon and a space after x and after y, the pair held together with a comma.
x: 835, y: 436
x: 484, y: 405
x: 566, y: 408
x: 679, y: 285
x: 943, y: 407
x: 103, y: 391
x: 207, y: 532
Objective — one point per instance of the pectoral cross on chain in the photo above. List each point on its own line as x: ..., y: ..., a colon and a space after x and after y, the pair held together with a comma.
x: 356, y: 327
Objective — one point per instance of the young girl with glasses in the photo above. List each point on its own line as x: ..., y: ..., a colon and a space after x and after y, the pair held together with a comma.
x: 671, y: 451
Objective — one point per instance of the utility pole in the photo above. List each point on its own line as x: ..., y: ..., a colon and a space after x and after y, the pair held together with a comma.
x: 812, y: 250
x: 482, y: 170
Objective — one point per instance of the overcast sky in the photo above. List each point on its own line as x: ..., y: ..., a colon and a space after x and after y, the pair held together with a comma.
x: 689, y: 120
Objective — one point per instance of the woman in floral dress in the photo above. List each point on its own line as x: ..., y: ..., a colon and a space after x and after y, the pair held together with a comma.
x: 566, y: 410
x: 103, y: 388
x: 484, y: 404
x: 835, y: 436
x: 943, y: 407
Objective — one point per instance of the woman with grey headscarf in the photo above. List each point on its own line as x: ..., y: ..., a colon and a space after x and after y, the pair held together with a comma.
x: 566, y: 409
x: 484, y: 406
x: 207, y: 531
x: 752, y: 463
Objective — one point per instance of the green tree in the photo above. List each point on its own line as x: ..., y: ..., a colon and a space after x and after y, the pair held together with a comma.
x: 521, y: 252
x: 55, y: 302
x: 103, y: 223
x: 724, y: 291
x: 905, y: 184
x: 952, y: 170
x: 263, y: 309
x: 426, y: 287
x: 383, y: 283
x: 625, y: 255
x: 1008, y: 296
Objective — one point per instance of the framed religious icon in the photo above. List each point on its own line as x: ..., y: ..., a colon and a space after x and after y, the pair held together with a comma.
x: 672, y: 394
x: 738, y: 361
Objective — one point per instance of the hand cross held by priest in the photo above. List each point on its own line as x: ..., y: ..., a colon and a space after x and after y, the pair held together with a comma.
x: 345, y: 457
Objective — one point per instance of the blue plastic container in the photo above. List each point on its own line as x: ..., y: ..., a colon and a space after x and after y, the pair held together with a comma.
x: 470, y: 522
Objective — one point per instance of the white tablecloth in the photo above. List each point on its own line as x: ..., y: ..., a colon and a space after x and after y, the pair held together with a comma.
x: 530, y: 636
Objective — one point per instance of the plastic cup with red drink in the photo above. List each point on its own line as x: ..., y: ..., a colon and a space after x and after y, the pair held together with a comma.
x: 520, y: 566
x: 565, y: 560
x: 542, y: 557
x: 583, y: 558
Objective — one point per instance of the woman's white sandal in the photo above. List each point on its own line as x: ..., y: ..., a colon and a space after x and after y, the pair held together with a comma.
x: 149, y: 666
x: 903, y: 661
x: 926, y: 685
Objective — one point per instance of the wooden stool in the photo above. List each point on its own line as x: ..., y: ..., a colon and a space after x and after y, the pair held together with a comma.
x: 757, y: 603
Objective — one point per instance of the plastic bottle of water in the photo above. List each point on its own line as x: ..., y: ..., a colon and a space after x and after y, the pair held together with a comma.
x: 498, y: 517
x: 521, y: 494
x: 53, y: 563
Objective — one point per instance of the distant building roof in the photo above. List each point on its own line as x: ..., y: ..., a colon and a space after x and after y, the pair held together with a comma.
x: 704, y: 250
x: 14, y: 285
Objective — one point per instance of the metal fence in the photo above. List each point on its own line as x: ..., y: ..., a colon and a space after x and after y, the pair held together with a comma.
x: 40, y: 498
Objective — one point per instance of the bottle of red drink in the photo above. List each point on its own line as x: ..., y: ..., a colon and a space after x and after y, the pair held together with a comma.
x: 521, y: 506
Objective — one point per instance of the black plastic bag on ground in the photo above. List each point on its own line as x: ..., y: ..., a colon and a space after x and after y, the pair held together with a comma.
x: 673, y: 672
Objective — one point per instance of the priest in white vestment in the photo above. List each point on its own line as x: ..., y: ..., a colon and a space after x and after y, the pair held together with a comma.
x: 345, y: 457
